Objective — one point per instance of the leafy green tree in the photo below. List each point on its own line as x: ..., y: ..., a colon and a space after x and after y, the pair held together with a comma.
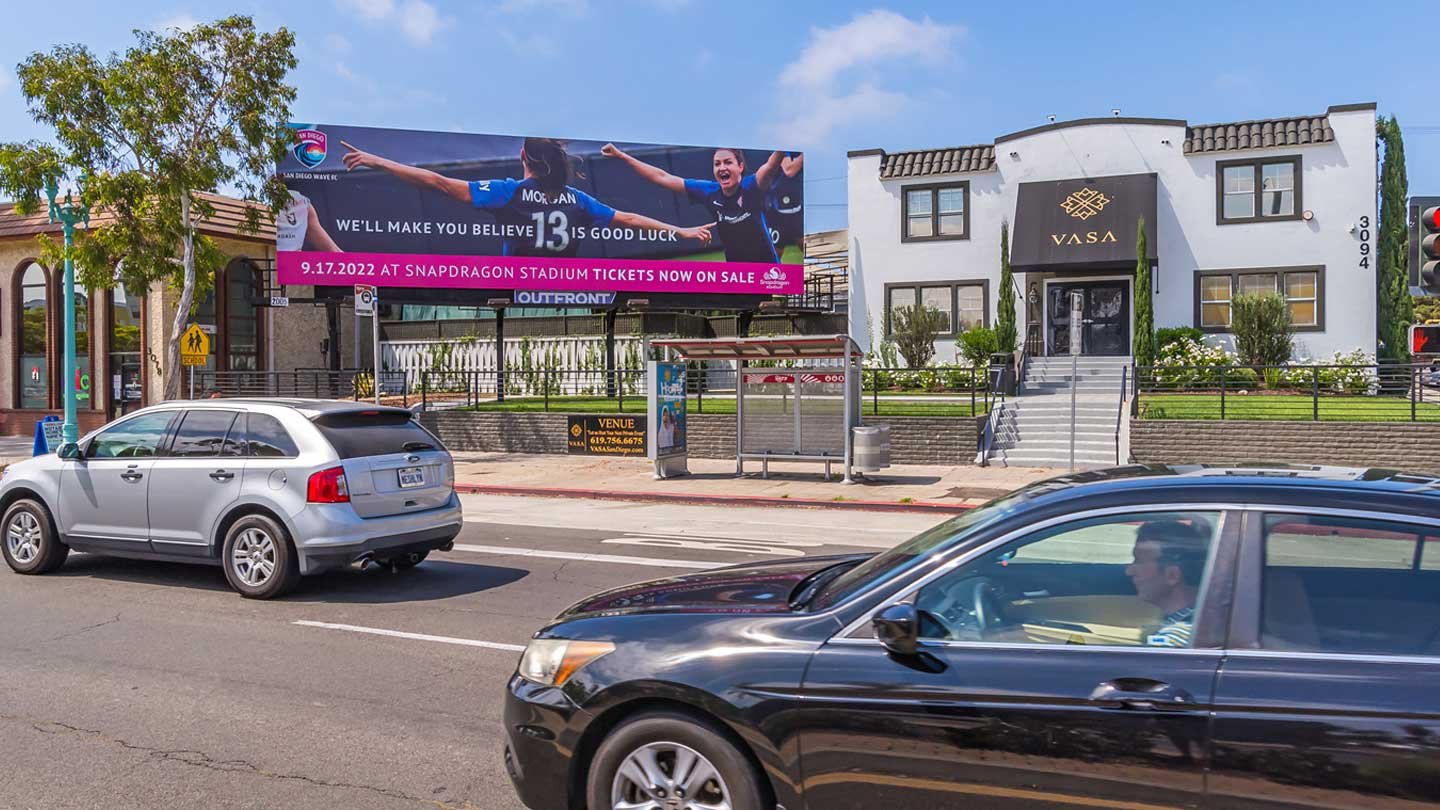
x: 1426, y: 309
x: 978, y: 344
x: 1144, y: 301
x: 1264, y: 329
x: 913, y: 330
x: 1005, y: 330
x: 149, y: 132
x: 1396, y: 310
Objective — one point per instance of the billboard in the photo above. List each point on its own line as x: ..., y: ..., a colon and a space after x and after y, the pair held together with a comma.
x: 400, y: 208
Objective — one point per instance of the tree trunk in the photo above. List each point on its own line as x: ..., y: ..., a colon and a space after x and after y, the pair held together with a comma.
x: 182, y: 308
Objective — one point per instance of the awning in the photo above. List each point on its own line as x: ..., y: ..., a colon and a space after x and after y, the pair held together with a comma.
x: 1089, y: 222
x: 762, y: 348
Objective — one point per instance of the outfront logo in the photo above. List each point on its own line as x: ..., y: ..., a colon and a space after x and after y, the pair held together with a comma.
x: 310, y: 147
x: 1085, y: 203
x: 773, y: 279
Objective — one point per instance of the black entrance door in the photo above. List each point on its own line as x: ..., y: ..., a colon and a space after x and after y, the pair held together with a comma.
x: 1105, y: 325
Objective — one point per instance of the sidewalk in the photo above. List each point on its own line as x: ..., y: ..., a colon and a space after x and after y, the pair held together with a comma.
x: 900, y: 488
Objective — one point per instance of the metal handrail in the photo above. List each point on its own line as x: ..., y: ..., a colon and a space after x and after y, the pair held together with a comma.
x: 1120, y: 410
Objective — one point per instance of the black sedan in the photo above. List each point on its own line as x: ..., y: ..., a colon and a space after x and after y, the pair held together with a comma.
x: 1141, y: 637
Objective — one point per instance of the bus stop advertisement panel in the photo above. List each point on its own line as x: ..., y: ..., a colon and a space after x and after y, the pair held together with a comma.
x: 665, y: 407
x: 806, y: 411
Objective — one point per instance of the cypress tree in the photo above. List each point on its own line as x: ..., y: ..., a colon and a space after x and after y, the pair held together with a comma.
x: 1395, y: 309
x: 1144, y: 302
x: 1005, y: 330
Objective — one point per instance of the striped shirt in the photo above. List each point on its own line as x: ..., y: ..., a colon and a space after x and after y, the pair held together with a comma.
x: 1175, y: 629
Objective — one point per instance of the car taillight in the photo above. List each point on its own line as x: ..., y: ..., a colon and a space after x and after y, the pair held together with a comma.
x: 328, y: 486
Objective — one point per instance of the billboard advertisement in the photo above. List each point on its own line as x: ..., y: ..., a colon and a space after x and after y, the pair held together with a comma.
x: 400, y: 208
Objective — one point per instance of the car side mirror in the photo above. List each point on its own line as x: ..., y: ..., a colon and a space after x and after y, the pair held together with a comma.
x: 898, y: 628
x: 71, y: 450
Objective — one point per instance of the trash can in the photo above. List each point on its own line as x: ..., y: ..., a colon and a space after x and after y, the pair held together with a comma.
x: 872, y: 448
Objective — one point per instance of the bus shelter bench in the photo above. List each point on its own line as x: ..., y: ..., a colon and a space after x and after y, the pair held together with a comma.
x: 766, y: 456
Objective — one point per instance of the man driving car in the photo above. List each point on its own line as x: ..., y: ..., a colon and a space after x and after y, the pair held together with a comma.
x: 1169, y: 562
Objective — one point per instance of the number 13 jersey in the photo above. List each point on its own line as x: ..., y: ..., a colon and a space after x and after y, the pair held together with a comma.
x: 535, y: 223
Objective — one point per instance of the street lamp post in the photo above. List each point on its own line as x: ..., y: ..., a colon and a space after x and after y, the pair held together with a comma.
x: 68, y: 214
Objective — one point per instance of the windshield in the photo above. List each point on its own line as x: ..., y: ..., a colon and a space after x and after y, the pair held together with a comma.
x: 913, y: 550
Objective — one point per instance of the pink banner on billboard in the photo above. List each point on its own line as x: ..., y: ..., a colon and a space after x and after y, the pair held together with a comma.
x: 322, y: 268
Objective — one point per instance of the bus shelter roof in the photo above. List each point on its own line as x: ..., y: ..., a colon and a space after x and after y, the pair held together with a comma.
x: 762, y: 348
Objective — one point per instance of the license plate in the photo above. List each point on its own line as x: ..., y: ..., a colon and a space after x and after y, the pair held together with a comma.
x: 412, y: 477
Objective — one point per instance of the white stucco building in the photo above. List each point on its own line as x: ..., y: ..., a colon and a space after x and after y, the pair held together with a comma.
x: 1283, y: 204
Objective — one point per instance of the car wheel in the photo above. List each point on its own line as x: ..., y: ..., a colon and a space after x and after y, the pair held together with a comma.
x: 671, y: 762
x: 258, y: 558
x: 31, y: 545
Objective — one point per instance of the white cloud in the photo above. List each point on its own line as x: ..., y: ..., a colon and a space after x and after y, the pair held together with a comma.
x: 532, y: 45
x: 334, y: 43
x: 871, y: 38
x: 343, y: 71
x: 369, y: 9
x: 419, y: 21
x: 182, y: 21
x: 821, y: 87
x: 563, y: 6
x: 814, y: 121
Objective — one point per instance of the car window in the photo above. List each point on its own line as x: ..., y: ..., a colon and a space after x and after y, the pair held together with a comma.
x: 134, y: 438
x: 1350, y: 585
x: 267, y: 438
x: 202, y: 433
x: 915, y: 550
x: 355, y: 434
x: 1127, y: 580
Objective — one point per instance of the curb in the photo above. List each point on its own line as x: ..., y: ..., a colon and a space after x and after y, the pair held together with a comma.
x: 929, y: 507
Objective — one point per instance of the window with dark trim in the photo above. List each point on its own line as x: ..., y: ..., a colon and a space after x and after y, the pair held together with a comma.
x: 1302, y: 287
x: 965, y: 304
x: 933, y: 213
x: 1257, y: 190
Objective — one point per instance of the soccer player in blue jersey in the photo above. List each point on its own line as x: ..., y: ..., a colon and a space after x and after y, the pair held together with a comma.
x: 541, y: 207
x: 785, y: 204
x: 737, y: 200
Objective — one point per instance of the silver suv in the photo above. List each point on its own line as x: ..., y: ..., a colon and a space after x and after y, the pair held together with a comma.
x: 270, y: 489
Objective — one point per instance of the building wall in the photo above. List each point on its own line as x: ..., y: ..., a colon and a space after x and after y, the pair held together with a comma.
x: 1338, y: 185
x: 1411, y: 446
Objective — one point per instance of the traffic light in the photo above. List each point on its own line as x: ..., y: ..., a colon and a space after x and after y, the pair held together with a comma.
x: 1425, y: 339
x: 1429, y: 236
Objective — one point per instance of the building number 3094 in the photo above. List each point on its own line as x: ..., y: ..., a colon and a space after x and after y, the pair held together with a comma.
x: 1365, y: 242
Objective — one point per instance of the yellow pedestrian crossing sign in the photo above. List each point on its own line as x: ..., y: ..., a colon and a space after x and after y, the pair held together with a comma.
x: 194, y: 346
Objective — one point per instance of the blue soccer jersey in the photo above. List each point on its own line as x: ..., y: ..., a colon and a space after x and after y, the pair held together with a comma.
x: 536, y: 223
x: 741, y: 219
x: 785, y: 210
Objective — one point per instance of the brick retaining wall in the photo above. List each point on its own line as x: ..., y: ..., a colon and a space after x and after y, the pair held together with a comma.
x: 1410, y: 446
x: 913, y: 439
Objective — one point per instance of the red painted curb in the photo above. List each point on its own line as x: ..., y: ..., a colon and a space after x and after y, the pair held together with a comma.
x: 712, y: 500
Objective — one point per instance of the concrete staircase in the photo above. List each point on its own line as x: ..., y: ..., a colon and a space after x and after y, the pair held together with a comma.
x: 1033, y: 429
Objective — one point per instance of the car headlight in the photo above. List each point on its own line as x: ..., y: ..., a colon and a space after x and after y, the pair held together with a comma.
x: 551, y: 661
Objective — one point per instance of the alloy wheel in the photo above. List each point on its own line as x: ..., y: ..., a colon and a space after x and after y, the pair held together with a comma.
x: 22, y: 537
x: 668, y: 776
x: 254, y: 557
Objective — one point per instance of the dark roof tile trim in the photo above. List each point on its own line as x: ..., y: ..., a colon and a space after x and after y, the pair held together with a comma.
x: 1266, y: 134
x: 953, y: 160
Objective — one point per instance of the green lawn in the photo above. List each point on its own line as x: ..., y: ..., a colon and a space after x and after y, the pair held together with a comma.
x: 1296, y: 407
x: 716, y: 405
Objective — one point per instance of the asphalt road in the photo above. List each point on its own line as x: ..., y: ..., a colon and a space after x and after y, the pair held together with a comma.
x: 140, y: 685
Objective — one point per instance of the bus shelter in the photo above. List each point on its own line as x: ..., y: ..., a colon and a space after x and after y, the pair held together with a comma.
x: 803, y: 410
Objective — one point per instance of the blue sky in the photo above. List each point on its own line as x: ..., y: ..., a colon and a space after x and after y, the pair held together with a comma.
x: 825, y: 77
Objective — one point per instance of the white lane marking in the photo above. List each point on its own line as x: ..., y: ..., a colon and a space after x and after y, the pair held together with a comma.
x: 778, y: 548
x: 657, y: 562
x: 377, y: 631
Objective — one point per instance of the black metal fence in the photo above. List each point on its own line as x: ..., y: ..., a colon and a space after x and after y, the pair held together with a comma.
x: 1340, y: 393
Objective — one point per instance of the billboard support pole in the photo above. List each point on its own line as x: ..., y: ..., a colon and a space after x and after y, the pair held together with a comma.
x: 610, y: 353
x: 500, y: 354
x: 375, y: 328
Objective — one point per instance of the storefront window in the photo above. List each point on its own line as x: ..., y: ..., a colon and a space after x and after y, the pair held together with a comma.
x: 82, y: 381
x: 34, y: 369
x: 205, y: 316
x: 241, y: 322
x: 124, y: 350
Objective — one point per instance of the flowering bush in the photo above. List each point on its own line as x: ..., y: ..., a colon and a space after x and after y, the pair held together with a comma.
x: 1187, y: 363
x: 1344, y: 373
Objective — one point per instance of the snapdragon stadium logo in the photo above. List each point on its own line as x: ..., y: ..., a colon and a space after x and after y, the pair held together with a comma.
x: 310, y: 147
x: 773, y: 279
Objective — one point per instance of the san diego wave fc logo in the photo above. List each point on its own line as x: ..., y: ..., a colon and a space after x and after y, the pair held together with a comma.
x: 310, y: 147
